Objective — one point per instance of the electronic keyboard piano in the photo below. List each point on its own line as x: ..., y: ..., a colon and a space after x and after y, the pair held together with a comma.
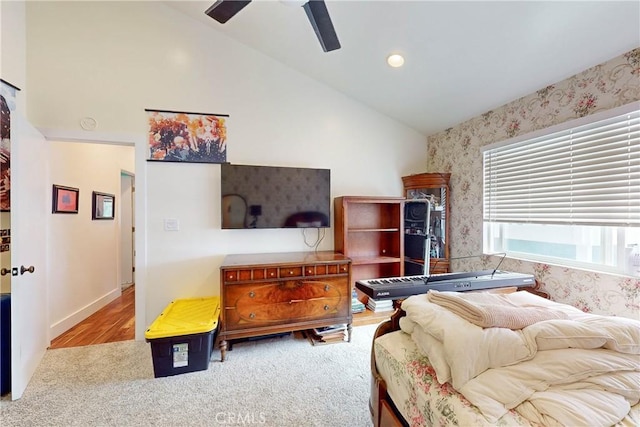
x: 403, y: 287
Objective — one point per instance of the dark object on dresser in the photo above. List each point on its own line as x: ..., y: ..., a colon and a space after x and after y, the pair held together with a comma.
x: 307, y: 219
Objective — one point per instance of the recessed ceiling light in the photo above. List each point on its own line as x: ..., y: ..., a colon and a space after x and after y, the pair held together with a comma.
x: 395, y: 60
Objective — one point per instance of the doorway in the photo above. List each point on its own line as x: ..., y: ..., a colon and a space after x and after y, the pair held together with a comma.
x: 95, y: 303
x: 127, y: 229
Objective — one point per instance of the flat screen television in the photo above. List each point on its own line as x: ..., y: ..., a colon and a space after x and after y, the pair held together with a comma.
x: 274, y: 197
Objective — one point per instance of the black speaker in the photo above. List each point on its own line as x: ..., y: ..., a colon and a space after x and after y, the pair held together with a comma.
x: 415, y: 217
x: 412, y: 268
x: 414, y: 246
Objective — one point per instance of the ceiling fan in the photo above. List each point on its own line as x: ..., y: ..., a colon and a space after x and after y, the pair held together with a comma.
x: 223, y: 10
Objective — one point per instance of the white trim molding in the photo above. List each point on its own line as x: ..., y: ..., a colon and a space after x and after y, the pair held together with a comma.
x: 89, y: 136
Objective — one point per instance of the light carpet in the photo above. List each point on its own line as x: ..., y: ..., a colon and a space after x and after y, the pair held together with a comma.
x: 272, y: 382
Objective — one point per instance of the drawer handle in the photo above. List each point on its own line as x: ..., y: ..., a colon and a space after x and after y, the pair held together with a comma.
x: 252, y: 315
x: 231, y: 277
x: 272, y: 274
x: 252, y: 294
x: 290, y: 272
x: 326, y: 307
x: 326, y: 287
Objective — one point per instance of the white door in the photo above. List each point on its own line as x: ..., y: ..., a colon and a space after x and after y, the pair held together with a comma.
x: 29, y: 210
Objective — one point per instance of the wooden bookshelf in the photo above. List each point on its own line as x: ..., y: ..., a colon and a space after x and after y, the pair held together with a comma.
x: 370, y: 231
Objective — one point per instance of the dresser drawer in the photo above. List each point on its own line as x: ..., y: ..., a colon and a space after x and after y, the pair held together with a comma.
x: 259, y: 274
x: 295, y: 271
x: 251, y: 305
x: 249, y: 274
x: 326, y: 269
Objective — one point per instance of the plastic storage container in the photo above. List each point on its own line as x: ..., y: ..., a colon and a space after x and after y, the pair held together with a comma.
x: 182, y: 336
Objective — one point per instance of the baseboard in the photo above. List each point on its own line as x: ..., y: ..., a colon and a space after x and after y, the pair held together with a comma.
x: 126, y: 286
x: 73, y: 319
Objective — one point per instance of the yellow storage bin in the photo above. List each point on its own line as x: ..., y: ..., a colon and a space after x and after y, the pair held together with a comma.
x: 182, y: 336
x: 184, y: 317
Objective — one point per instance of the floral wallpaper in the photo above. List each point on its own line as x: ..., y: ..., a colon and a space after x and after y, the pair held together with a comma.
x: 457, y: 151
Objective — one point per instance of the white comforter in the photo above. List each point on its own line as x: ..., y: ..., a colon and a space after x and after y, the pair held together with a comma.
x: 583, y: 370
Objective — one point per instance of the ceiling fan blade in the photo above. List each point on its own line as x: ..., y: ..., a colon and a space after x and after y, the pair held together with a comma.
x: 319, y: 16
x: 223, y: 10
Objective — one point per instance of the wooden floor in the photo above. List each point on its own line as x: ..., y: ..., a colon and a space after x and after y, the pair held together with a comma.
x: 114, y: 322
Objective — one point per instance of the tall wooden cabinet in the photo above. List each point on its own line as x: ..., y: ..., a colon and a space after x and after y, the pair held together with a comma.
x: 435, y: 188
x: 370, y: 231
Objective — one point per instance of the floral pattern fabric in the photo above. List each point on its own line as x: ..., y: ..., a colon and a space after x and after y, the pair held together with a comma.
x: 412, y: 384
x: 457, y: 150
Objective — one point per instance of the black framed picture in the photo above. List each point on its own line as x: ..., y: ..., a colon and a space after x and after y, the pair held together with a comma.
x: 103, y: 206
x: 65, y: 199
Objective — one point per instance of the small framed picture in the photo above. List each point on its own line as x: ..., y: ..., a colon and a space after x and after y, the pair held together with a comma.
x: 103, y: 206
x: 65, y: 199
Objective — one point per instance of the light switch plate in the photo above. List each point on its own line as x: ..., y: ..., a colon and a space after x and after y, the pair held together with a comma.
x: 171, y: 224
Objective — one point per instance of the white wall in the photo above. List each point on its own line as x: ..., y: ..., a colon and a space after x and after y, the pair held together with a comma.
x: 112, y: 60
x: 84, y: 254
x: 13, y: 44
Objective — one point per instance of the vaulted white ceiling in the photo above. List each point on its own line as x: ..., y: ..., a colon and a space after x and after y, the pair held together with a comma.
x: 463, y: 58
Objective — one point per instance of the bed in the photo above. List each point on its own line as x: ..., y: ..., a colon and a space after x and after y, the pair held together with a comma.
x: 539, y: 374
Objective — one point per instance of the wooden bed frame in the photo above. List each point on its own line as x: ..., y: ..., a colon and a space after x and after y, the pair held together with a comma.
x: 383, y: 411
x: 382, y: 408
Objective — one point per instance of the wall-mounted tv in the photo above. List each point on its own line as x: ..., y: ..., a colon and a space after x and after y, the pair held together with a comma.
x: 274, y: 197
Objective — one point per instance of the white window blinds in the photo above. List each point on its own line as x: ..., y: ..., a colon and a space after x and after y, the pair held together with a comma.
x: 586, y: 175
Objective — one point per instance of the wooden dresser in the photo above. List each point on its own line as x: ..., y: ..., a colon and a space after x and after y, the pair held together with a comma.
x: 264, y: 294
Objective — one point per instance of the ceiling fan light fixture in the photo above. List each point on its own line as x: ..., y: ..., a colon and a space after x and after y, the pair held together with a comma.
x: 395, y: 60
x: 223, y: 10
x: 318, y: 15
x: 316, y: 10
x: 298, y: 3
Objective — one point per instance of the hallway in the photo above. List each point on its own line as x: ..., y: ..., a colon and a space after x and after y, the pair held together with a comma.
x: 114, y: 322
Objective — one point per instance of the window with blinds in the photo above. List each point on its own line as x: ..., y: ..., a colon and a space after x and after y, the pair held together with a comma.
x: 572, y: 193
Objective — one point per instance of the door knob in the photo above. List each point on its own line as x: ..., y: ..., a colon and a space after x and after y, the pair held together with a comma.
x: 23, y: 269
x: 5, y: 271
